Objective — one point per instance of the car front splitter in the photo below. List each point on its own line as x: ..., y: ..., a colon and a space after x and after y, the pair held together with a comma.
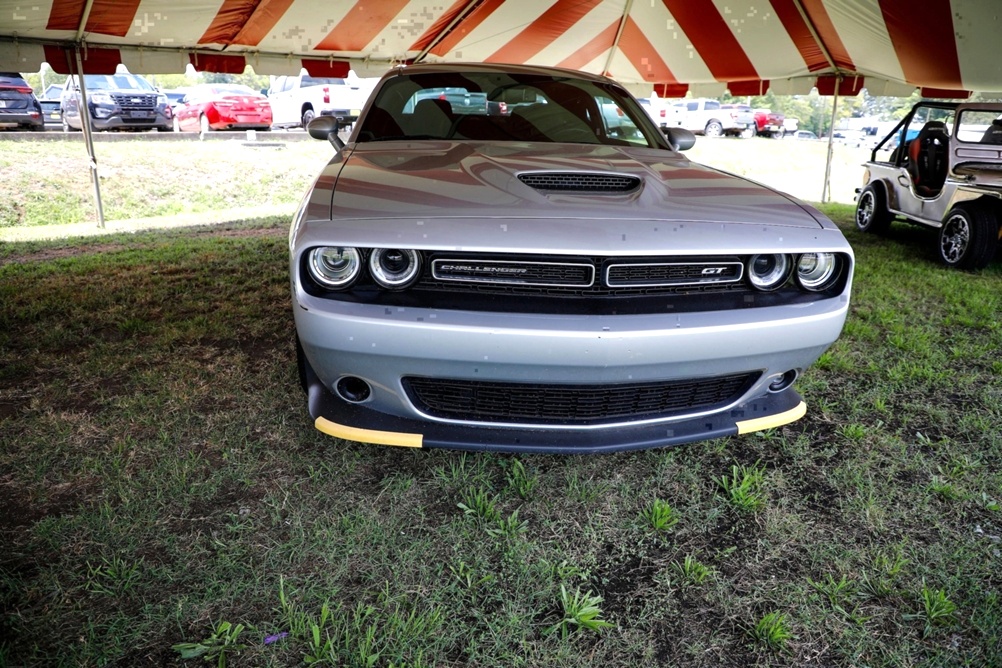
x: 354, y: 422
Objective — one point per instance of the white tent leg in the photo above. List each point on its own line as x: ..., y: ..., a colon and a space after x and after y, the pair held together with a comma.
x: 826, y: 189
x: 89, y: 140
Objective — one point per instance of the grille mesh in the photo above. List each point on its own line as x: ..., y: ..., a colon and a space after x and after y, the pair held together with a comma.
x: 673, y: 274
x: 136, y: 101
x: 580, y: 183
x: 526, y: 403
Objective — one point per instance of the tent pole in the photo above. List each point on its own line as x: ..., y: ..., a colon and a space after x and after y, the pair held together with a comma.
x: 89, y: 140
x: 826, y: 189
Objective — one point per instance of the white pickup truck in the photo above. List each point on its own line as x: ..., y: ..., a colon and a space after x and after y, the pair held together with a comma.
x: 297, y: 100
x: 706, y: 117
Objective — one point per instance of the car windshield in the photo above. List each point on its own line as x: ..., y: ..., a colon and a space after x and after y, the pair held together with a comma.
x: 116, y: 82
x: 504, y: 106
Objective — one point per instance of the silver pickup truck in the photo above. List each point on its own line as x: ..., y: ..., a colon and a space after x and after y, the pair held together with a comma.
x: 710, y: 118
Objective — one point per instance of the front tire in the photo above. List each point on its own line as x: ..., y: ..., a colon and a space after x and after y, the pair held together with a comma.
x: 872, y: 215
x: 968, y: 237
x: 308, y: 116
x: 713, y: 129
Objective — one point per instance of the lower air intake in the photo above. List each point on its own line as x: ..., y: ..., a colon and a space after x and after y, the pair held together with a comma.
x: 531, y: 403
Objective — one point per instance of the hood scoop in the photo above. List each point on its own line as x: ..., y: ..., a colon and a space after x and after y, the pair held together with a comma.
x: 584, y: 183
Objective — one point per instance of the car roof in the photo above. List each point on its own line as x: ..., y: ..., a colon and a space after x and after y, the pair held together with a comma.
x: 452, y: 68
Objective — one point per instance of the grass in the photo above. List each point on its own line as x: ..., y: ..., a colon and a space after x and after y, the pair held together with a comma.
x: 49, y: 183
x: 162, y: 485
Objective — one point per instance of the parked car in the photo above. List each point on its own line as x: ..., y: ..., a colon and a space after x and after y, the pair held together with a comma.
x: 296, y: 100
x: 175, y: 96
x: 19, y: 109
x: 946, y: 174
x: 662, y: 113
x: 119, y: 101
x: 802, y: 134
x: 50, y: 114
x: 770, y: 123
x: 706, y: 117
x: 741, y: 114
x: 208, y: 107
x: 539, y: 281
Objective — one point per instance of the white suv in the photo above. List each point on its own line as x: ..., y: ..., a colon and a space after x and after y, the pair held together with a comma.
x: 297, y: 100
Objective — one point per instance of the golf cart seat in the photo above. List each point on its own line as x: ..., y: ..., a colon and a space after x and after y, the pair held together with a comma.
x: 993, y: 135
x: 927, y: 158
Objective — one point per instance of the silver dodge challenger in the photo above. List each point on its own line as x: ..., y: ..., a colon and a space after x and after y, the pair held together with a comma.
x: 515, y: 258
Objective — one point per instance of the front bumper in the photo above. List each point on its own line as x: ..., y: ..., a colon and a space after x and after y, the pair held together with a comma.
x: 382, y: 345
x: 340, y: 419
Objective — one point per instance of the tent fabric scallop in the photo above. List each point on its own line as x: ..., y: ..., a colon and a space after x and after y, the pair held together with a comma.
x: 945, y: 47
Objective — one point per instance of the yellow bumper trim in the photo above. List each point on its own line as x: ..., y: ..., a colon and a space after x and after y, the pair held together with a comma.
x: 368, y: 435
x: 771, y: 421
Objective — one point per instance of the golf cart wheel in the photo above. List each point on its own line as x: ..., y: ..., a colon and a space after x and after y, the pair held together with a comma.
x: 968, y: 237
x: 871, y: 211
x: 713, y: 129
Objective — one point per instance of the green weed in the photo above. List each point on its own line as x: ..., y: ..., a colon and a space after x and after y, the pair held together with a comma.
x: 937, y: 610
x: 224, y: 641
x: 744, y: 487
x: 659, y: 515
x: 581, y: 611
x: 772, y: 631
x: 692, y: 571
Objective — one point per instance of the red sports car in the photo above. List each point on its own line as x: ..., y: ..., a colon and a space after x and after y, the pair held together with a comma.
x: 222, y: 107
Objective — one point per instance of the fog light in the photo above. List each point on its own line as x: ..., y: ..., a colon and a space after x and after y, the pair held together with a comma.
x: 352, y: 389
x: 782, y: 381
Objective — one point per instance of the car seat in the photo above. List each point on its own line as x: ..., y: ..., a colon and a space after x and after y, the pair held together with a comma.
x: 993, y: 135
x: 432, y: 117
x: 927, y: 158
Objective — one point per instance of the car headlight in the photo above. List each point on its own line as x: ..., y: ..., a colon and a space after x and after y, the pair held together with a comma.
x: 815, y: 271
x: 768, y: 271
x: 394, y: 268
x: 100, y: 98
x: 335, y: 267
x: 161, y: 100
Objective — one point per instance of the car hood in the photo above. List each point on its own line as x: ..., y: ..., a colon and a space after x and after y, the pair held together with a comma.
x: 441, y: 179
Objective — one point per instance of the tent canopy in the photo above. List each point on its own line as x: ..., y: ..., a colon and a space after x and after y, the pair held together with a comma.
x: 945, y: 47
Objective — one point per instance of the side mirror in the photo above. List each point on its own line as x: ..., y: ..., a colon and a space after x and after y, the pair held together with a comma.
x: 326, y: 127
x: 680, y: 138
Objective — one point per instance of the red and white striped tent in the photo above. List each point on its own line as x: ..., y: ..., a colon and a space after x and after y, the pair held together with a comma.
x: 945, y: 47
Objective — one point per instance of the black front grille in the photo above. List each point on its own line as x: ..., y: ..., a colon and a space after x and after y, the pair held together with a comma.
x: 135, y: 101
x: 530, y: 403
x: 583, y: 183
x: 506, y: 272
x: 675, y: 273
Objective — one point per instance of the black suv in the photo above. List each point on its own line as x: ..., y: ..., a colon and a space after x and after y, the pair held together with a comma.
x: 18, y: 106
x: 116, y: 102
